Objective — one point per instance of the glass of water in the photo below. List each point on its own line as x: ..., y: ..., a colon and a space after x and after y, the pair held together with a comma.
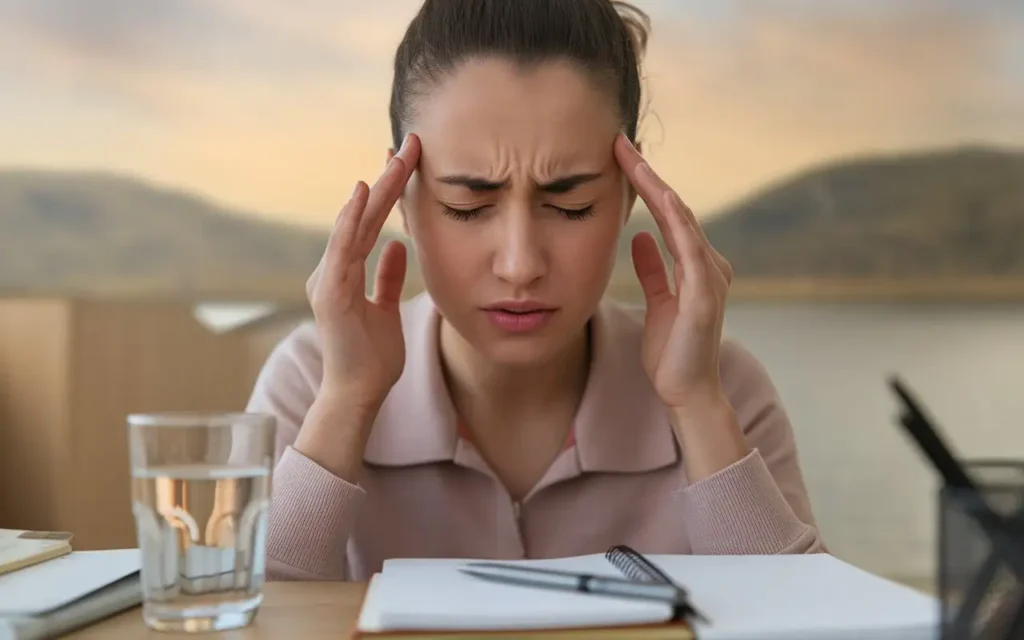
x: 200, y: 497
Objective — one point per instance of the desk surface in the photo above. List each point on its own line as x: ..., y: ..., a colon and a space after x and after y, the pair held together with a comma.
x: 297, y: 610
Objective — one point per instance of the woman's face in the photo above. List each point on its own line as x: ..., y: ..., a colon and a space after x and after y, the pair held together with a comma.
x: 517, y: 206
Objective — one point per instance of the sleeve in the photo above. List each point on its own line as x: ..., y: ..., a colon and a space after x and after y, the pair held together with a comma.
x: 311, y: 510
x: 759, y: 504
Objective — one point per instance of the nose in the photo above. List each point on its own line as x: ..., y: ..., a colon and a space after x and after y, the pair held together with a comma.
x: 520, y: 256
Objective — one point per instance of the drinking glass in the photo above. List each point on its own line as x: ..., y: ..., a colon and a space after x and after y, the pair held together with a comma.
x: 200, y: 497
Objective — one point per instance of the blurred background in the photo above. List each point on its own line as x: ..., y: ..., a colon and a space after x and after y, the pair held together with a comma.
x: 169, y: 172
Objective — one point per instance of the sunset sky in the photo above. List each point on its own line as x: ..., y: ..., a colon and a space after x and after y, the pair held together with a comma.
x: 277, y: 107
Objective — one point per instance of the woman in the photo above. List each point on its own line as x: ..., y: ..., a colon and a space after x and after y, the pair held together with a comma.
x: 510, y: 411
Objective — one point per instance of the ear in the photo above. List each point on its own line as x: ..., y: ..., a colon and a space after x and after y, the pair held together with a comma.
x: 401, y: 201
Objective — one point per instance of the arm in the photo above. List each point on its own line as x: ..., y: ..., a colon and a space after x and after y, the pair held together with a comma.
x: 315, y: 496
x: 746, y: 493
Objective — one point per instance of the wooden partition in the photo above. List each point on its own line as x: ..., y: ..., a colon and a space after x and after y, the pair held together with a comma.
x: 70, y: 372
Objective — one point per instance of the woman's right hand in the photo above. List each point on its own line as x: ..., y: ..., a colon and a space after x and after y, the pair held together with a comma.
x: 361, y: 339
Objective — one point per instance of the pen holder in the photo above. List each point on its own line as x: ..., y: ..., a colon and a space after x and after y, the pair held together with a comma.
x: 981, y: 595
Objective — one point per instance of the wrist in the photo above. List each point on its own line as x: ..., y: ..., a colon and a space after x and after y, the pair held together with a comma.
x: 335, y: 431
x: 355, y: 398
x: 709, y: 434
x: 701, y: 407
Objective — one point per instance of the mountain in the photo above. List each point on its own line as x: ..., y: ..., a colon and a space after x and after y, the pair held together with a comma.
x: 93, y: 233
x: 956, y: 214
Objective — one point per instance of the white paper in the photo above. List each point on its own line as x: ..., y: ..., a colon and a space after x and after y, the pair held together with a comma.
x: 799, y: 596
x: 52, y: 584
x: 746, y: 598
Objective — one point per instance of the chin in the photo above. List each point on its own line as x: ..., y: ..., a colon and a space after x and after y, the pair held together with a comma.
x: 518, y: 352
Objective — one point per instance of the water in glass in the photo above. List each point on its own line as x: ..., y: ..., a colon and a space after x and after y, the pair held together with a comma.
x: 200, y: 496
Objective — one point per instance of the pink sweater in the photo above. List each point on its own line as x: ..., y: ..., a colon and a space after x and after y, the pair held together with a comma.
x: 427, y: 493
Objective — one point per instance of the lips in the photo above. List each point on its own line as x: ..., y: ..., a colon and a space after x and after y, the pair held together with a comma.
x: 519, y: 316
x: 519, y: 306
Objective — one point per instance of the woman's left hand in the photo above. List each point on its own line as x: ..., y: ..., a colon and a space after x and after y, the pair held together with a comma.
x: 683, y: 327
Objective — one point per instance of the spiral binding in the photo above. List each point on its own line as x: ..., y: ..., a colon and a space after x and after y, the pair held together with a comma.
x: 632, y: 564
x: 635, y: 566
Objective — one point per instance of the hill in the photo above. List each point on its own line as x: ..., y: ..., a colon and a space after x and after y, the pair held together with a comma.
x: 92, y: 233
x: 945, y: 225
x: 951, y: 214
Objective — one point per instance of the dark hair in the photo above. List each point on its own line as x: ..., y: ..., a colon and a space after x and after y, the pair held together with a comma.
x: 604, y: 37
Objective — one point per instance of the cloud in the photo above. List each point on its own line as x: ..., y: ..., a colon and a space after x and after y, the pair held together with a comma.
x: 166, y: 56
x: 769, y: 91
x: 279, y: 107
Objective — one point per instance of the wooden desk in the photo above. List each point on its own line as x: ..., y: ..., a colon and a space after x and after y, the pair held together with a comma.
x: 292, y: 610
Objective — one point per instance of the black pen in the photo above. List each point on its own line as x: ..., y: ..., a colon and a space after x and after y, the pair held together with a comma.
x: 581, y: 582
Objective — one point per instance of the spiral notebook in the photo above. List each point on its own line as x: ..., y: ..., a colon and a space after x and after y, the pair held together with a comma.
x: 430, y: 598
x: 741, y: 597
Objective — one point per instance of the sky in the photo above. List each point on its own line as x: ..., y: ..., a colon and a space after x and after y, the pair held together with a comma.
x: 277, y: 108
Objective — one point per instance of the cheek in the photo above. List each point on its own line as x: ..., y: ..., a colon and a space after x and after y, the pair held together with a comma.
x: 590, y: 246
x: 442, y: 245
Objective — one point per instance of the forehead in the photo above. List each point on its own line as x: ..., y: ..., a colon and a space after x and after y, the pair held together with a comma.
x: 489, y: 106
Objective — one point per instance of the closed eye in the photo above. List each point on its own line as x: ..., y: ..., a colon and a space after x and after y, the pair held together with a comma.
x: 576, y: 214
x: 469, y: 214
x: 462, y: 214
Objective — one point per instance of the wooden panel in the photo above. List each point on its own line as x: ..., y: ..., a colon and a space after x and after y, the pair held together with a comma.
x: 33, y: 408
x: 133, y: 357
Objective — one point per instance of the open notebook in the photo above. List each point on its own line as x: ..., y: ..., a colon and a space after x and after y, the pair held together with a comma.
x: 789, y: 597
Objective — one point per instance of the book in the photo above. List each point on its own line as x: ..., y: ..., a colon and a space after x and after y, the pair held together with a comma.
x: 751, y: 597
x: 19, y: 548
x: 49, y: 599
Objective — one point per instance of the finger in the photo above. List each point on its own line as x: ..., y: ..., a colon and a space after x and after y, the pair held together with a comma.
x: 692, y: 255
x: 387, y: 190
x: 716, y: 258
x: 649, y: 187
x: 652, y: 189
x: 390, y: 279
x: 343, y: 237
x: 650, y: 268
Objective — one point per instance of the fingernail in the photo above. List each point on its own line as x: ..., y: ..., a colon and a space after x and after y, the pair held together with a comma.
x: 355, y: 192
x: 405, y: 143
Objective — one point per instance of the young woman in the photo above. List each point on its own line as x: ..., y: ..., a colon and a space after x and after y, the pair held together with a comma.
x: 510, y: 411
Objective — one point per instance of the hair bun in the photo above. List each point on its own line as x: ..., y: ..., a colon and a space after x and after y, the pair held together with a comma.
x: 637, y: 24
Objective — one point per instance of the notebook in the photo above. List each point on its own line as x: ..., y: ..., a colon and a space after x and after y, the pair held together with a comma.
x: 792, y: 597
x: 19, y: 548
x: 50, y: 598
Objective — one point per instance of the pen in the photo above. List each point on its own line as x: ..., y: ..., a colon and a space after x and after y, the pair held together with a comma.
x: 581, y: 582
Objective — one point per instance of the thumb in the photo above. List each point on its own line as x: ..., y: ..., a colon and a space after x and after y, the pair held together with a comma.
x: 650, y: 268
x: 390, y: 276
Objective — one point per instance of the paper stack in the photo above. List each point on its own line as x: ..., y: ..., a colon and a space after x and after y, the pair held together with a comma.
x: 47, y: 589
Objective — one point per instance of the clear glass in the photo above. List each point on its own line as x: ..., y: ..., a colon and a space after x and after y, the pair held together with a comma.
x: 200, y: 496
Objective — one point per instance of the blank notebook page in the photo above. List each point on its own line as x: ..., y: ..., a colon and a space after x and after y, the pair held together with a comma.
x: 799, y: 596
x: 432, y: 594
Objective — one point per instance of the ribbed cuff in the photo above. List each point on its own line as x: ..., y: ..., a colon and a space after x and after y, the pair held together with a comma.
x: 741, y: 511
x: 311, y: 515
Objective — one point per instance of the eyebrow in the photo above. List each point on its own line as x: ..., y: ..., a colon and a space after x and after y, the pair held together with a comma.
x: 559, y: 185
